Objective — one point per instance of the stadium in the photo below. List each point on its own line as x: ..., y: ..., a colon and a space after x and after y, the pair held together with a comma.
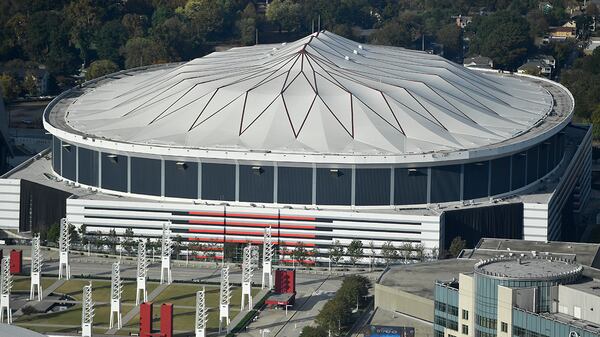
x: 323, y: 139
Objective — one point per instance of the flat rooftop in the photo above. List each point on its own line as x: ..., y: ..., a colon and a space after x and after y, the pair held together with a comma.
x: 420, y: 278
x: 527, y: 268
x: 587, y: 254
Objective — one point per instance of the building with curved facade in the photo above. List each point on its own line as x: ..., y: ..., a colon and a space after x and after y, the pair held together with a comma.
x: 324, y: 138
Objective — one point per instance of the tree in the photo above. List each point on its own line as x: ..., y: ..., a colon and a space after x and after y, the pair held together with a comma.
x: 406, y: 251
x: 135, y: 24
x: 334, y: 315
x: 299, y: 253
x: 128, y: 243
x: 100, y: 68
x: 420, y: 251
x: 372, y: 251
x: 205, y: 16
x: 389, y: 252
x: 336, y: 251
x: 538, y: 25
x: 457, y: 245
x: 286, y: 14
x: 141, y: 51
x: 108, y: 39
x: 354, y: 289
x: 313, y: 331
x: 9, y: 87
x: 450, y: 36
x: 247, y: 25
x: 392, y: 34
x: 502, y: 36
x: 596, y: 122
x: 83, y: 18
x: 30, y: 84
x: 53, y: 233
x: 355, y: 251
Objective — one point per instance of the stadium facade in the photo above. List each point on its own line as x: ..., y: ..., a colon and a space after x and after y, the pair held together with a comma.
x: 322, y: 139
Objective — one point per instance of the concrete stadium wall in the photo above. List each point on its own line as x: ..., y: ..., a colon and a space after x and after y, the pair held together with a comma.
x: 393, y: 299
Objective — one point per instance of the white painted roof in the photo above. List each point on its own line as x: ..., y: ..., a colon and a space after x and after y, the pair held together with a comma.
x: 321, y: 94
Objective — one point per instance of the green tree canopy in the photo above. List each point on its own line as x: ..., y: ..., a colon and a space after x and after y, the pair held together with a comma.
x: 456, y: 246
x: 141, y: 51
x: 9, y: 86
x: 286, y: 14
x: 108, y: 39
x: 100, y: 68
x: 502, y: 36
x: 313, y: 331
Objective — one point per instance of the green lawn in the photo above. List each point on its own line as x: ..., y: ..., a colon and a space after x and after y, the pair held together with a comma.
x: 24, y: 283
x: 183, y: 296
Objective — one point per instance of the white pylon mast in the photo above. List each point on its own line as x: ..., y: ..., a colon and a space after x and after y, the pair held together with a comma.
x: 116, y: 290
x: 142, y: 273
x: 201, y: 313
x: 224, y: 297
x: 87, y: 311
x: 247, y: 273
x: 267, y: 272
x: 167, y: 249
x: 36, y: 268
x: 64, y: 244
x: 5, y: 288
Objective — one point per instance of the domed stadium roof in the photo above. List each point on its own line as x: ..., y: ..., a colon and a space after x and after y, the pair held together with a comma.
x: 320, y: 94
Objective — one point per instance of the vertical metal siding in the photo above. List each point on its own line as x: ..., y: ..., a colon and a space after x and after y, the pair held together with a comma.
x: 145, y: 176
x: 114, y: 172
x: 334, y: 188
x: 476, y: 177
x: 372, y: 187
x: 256, y: 183
x: 294, y: 185
x: 88, y: 167
x: 410, y: 186
x: 445, y: 183
x: 519, y: 161
x: 56, y: 154
x: 218, y: 182
x: 69, y: 161
x: 500, y: 178
x: 181, y: 180
x: 532, y: 164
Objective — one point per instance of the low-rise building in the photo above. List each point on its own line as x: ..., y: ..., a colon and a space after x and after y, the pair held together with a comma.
x: 501, y: 288
x: 478, y: 62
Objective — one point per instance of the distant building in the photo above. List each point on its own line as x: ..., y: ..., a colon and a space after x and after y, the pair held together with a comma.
x: 463, y: 21
x: 40, y: 75
x: 593, y: 44
x: 562, y: 33
x: 479, y: 62
x: 543, y: 65
x: 501, y: 288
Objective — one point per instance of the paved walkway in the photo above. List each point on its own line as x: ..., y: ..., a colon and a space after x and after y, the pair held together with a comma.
x: 136, y: 310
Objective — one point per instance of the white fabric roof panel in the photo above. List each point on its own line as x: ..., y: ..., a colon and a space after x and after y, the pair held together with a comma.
x: 321, y: 94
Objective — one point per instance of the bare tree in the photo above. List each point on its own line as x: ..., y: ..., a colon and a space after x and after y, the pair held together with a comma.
x: 389, y: 252
x: 336, y: 251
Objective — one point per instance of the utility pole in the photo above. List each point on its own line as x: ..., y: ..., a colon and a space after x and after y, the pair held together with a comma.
x: 116, y: 290
x: 64, y: 245
x: 87, y: 311
x: 5, y: 288
x: 201, y: 313
x: 142, y: 273
x: 166, y: 250
x: 267, y: 272
x: 224, y: 298
x: 36, y: 268
x: 247, y: 273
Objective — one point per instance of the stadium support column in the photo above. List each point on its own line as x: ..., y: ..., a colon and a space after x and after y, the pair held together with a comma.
x: 116, y: 290
x: 64, y: 244
x: 87, y: 311
x: 247, y: 273
x: 224, y: 298
x: 36, y: 268
x: 201, y: 313
x: 142, y: 273
x: 167, y: 248
x: 5, y: 288
x: 267, y: 271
